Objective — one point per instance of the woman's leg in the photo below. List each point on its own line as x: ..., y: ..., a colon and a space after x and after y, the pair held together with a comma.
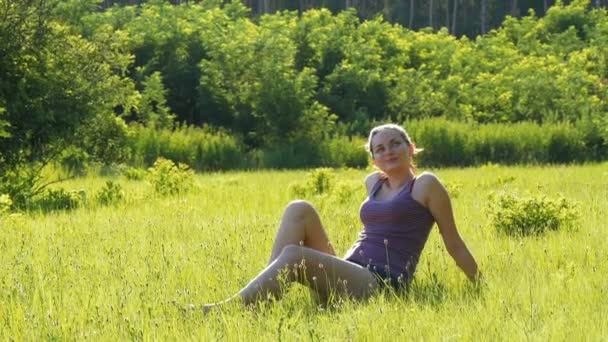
x: 322, y: 272
x: 301, y: 224
x: 301, y: 240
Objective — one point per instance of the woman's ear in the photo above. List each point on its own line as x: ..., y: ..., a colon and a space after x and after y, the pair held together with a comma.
x: 412, y: 148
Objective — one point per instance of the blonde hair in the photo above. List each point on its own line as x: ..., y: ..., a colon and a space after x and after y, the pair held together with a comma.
x: 396, y: 128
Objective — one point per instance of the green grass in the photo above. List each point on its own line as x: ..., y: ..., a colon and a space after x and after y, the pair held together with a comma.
x: 122, y: 272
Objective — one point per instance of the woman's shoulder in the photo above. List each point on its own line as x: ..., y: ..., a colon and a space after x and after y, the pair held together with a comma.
x: 427, y: 181
x: 427, y: 176
x: 373, y: 178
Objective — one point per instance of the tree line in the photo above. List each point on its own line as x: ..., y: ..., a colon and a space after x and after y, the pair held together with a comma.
x: 460, y: 17
x: 110, y: 86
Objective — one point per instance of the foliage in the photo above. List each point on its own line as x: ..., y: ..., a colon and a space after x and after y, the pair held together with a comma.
x: 169, y: 179
x: 21, y: 185
x: 5, y: 204
x: 519, y: 215
x: 55, y: 80
x: 207, y: 85
x: 133, y: 173
x: 110, y: 193
x: 457, y: 143
x: 59, y: 199
x: 153, y: 110
x: 203, y: 148
x: 316, y: 182
x: 342, y: 151
x: 74, y: 161
x: 105, y: 138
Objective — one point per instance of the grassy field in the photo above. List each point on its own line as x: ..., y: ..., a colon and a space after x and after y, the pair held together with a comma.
x: 124, y: 271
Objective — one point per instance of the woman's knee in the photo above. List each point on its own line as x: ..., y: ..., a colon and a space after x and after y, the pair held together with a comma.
x: 300, y: 209
x: 291, y: 253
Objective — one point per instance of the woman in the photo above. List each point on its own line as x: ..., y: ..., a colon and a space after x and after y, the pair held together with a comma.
x: 397, y: 215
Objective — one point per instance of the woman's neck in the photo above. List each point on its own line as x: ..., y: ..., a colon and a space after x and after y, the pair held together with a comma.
x: 397, y: 180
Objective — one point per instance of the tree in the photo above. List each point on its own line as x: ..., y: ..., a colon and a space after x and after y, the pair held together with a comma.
x: 484, y: 16
x: 51, y: 82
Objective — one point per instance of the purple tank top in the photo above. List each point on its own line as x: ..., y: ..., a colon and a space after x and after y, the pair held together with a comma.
x: 394, y: 232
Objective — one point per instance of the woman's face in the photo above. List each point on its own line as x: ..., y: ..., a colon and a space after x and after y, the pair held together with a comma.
x: 390, y: 151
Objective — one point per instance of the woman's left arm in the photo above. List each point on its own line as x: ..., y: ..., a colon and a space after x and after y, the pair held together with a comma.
x: 438, y: 202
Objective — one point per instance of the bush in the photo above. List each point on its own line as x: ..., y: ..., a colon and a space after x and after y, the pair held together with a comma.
x: 111, y: 193
x: 530, y: 215
x: 170, y: 179
x: 59, y: 199
x: 133, y: 173
x: 342, y: 151
x: 201, y: 148
x: 21, y: 185
x: 74, y: 161
x: 450, y: 143
x: 317, y: 182
x: 290, y: 156
x: 5, y: 204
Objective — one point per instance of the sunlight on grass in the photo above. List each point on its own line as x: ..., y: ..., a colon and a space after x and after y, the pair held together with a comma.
x: 125, y: 271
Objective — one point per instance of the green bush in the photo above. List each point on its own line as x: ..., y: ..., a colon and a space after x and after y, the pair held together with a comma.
x: 133, y: 173
x: 202, y: 148
x: 517, y: 215
x: 59, y: 199
x: 450, y: 143
x: 298, y: 155
x: 21, y: 185
x: 170, y: 179
x: 74, y: 161
x: 111, y: 193
x: 5, y: 204
x: 342, y: 151
x: 317, y: 182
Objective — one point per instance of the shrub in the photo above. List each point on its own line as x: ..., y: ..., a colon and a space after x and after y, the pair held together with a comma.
x: 111, y: 193
x: 169, y: 178
x: 530, y: 215
x: 133, y: 173
x: 74, y: 160
x: 5, y: 204
x: 21, y: 185
x: 202, y: 148
x: 317, y: 182
x: 344, y: 191
x: 59, y: 199
x: 342, y: 151
x: 297, y: 155
x: 449, y: 143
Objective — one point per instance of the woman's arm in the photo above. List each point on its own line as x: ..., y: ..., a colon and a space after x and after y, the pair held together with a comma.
x: 438, y: 202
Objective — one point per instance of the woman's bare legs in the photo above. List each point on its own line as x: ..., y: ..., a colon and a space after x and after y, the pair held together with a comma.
x: 301, y: 224
x: 302, y: 241
x: 322, y: 272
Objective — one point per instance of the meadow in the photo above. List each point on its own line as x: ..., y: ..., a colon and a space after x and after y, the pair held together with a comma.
x: 125, y: 271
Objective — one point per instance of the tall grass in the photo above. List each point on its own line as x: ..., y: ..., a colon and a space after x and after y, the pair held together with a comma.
x: 450, y: 143
x: 200, y: 148
x: 124, y: 272
x: 446, y: 143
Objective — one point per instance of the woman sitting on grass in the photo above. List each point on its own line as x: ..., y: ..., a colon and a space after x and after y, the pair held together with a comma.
x: 397, y: 217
